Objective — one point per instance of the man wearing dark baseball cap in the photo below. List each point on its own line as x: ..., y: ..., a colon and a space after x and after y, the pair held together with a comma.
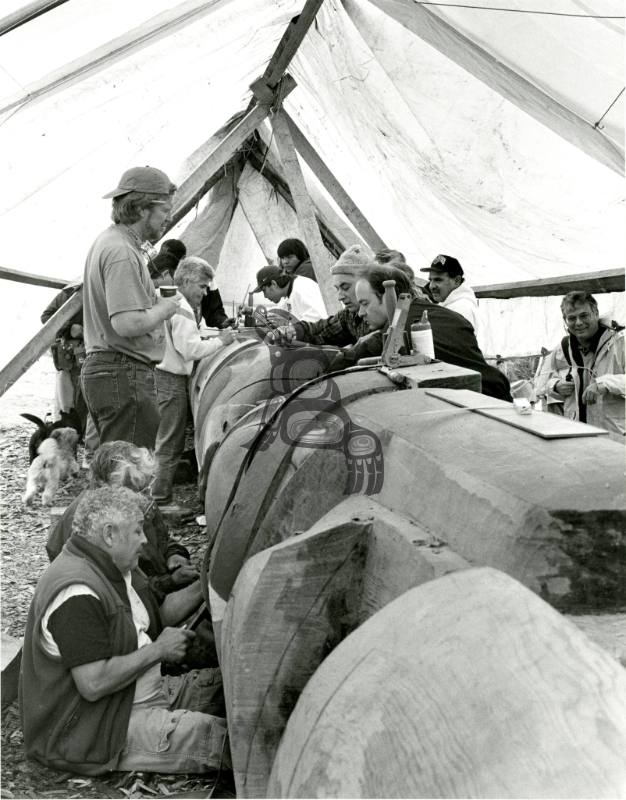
x: 123, y: 315
x: 448, y: 288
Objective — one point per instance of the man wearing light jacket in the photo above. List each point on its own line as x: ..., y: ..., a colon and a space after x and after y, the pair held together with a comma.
x: 183, y: 346
x: 587, y: 368
x: 449, y: 289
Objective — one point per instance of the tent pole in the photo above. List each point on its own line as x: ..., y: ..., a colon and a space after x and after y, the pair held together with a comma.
x: 333, y: 187
x: 202, y: 178
x: 337, y: 235
x: 26, y: 13
x: 304, y: 208
x: 44, y: 337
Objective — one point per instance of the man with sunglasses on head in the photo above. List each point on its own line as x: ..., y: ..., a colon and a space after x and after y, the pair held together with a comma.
x: 587, y: 368
x: 123, y: 314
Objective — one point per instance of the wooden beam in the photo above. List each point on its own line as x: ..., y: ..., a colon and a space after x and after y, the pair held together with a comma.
x: 26, y: 13
x: 334, y: 188
x: 336, y: 235
x: 116, y: 49
x: 40, y: 342
x: 30, y: 278
x: 608, y: 280
x: 304, y: 208
x: 502, y: 79
x: 288, y: 45
x: 204, y: 176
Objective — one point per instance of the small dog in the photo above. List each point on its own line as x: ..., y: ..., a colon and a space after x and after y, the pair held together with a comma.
x: 69, y: 419
x: 56, y: 460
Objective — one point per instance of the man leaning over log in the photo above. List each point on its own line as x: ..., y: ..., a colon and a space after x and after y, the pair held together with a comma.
x: 453, y: 336
x: 124, y: 316
x: 92, y: 698
x: 346, y: 326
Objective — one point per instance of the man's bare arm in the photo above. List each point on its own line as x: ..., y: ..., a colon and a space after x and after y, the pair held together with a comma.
x: 135, y: 323
x: 179, y: 604
x: 101, y: 678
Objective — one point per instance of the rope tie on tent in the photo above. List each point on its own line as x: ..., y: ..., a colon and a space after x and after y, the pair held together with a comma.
x: 597, y: 125
x: 515, y: 10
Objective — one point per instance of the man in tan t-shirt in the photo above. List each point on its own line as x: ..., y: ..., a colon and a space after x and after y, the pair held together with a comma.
x: 123, y: 314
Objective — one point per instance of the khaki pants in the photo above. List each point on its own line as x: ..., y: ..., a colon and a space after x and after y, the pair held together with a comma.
x: 179, y: 732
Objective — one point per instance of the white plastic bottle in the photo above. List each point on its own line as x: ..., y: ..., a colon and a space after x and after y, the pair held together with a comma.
x: 422, y: 337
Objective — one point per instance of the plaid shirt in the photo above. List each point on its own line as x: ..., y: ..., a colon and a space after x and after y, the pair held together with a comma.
x: 342, y: 329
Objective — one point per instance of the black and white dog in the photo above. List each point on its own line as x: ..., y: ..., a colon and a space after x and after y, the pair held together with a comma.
x: 44, y: 429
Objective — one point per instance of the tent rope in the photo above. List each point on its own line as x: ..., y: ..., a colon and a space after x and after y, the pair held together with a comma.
x: 515, y: 10
x: 597, y: 124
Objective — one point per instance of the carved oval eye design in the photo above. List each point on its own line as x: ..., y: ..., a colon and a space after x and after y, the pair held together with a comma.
x: 362, y: 445
x: 308, y: 429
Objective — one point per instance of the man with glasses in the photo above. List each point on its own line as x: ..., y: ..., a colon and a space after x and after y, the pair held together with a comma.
x: 123, y: 315
x: 587, y: 368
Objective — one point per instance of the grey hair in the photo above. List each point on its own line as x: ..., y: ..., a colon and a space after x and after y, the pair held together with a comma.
x: 127, y: 208
x: 102, y: 506
x: 122, y: 464
x: 578, y: 298
x: 191, y: 269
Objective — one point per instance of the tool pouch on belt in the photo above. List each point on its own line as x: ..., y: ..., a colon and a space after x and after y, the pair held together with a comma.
x: 62, y: 356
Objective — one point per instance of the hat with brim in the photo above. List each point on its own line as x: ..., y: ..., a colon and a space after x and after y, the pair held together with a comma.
x: 142, y: 179
x: 447, y: 264
x: 265, y: 276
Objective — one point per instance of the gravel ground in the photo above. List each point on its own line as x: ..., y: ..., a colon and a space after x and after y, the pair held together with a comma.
x: 23, y: 533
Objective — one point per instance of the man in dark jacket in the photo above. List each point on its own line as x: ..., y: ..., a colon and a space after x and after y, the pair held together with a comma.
x: 92, y: 697
x: 453, y: 335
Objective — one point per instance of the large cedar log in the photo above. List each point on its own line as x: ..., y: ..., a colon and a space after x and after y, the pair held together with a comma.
x: 294, y: 602
x: 468, y: 686
x: 550, y: 513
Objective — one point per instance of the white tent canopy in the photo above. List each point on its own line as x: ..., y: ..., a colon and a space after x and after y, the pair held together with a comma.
x: 493, y: 135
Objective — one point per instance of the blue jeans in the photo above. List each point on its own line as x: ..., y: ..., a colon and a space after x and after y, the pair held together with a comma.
x: 121, y: 397
x: 170, y: 440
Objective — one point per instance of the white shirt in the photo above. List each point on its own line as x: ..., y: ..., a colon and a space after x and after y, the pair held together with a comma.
x: 464, y: 302
x: 183, y: 344
x: 305, y: 301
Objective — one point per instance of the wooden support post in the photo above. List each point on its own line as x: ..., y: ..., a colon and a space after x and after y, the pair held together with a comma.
x: 286, y: 48
x: 31, y: 351
x: 16, y: 275
x: 201, y: 179
x: 608, y: 280
x: 333, y: 187
x: 304, y: 208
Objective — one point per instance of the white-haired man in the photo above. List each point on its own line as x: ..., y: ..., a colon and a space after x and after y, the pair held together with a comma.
x: 123, y: 315
x: 92, y: 697
x: 183, y: 346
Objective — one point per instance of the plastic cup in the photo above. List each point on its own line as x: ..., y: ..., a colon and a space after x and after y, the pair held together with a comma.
x: 168, y: 291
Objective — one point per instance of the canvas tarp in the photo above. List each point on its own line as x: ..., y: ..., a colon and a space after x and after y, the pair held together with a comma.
x: 436, y: 159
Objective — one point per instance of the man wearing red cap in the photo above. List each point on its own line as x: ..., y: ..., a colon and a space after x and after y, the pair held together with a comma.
x: 123, y: 315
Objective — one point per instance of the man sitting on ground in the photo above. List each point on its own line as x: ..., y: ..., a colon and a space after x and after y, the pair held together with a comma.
x: 299, y: 295
x: 592, y: 355
x: 92, y: 697
x: 449, y: 289
x: 453, y: 336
